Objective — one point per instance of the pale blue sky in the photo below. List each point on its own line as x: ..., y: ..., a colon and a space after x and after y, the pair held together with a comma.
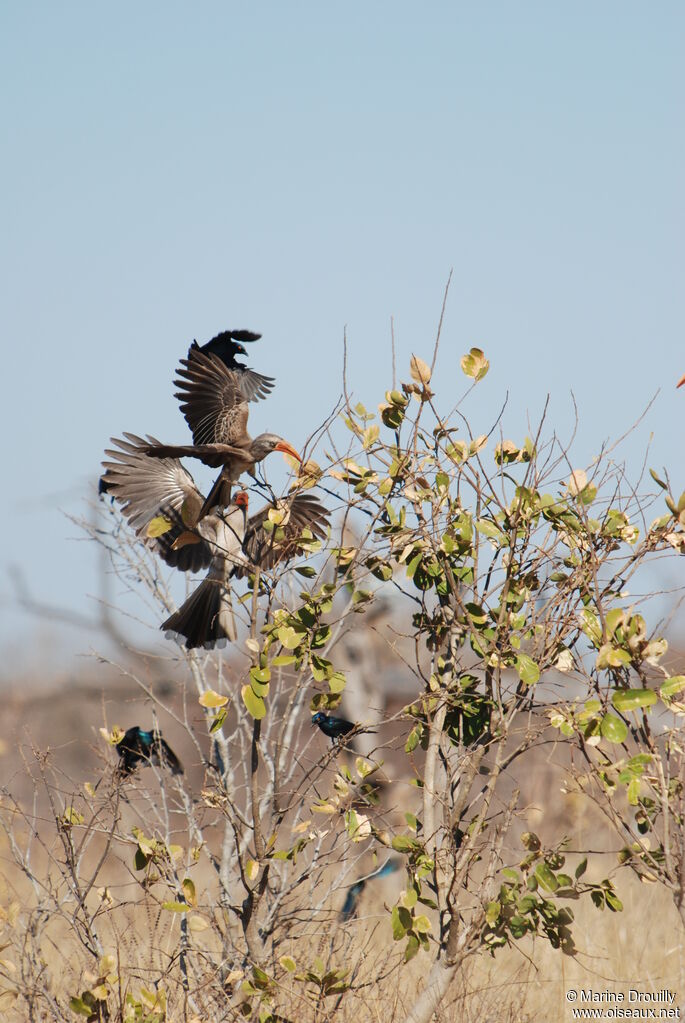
x: 171, y: 170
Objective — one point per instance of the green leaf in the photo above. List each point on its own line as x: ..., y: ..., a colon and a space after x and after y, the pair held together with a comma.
x: 255, y: 705
x: 176, y: 907
x: 613, y: 902
x: 401, y: 843
x: 282, y: 660
x: 80, y: 1007
x: 527, y: 669
x: 546, y: 877
x: 412, y: 947
x: 633, y: 699
x: 489, y: 529
x: 475, y: 365
x: 422, y: 924
x: 613, y: 729
x: 288, y: 963
x: 658, y: 480
x: 672, y: 686
x: 492, y: 912
x: 336, y: 682
x: 188, y: 887
x: 581, y: 868
x: 413, y: 739
x: 398, y: 928
x: 218, y: 721
x: 288, y: 637
x: 211, y: 699
x: 158, y: 526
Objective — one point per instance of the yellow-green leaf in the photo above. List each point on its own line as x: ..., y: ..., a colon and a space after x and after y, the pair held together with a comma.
x: 210, y: 699
x: 633, y: 699
x: 613, y: 729
x: 188, y: 887
x: 420, y: 370
x: 527, y: 669
x: 475, y: 365
x: 197, y: 923
x: 158, y: 526
x: 255, y: 705
x: 672, y: 686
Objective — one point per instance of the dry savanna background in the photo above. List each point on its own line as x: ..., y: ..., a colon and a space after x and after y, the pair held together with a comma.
x: 496, y: 816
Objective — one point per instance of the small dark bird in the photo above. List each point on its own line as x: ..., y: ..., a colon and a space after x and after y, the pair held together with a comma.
x: 354, y: 891
x: 331, y: 726
x: 141, y: 747
x: 226, y: 346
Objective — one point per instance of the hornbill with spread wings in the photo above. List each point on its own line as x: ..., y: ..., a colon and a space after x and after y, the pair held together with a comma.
x: 226, y: 346
x: 215, y: 407
x: 227, y: 543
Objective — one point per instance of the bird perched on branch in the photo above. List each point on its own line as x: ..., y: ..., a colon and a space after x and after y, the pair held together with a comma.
x: 226, y: 346
x: 141, y: 747
x: 332, y: 726
x: 354, y: 891
x: 215, y: 407
x: 160, y: 500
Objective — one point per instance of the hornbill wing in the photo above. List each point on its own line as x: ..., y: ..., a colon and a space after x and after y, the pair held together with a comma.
x: 212, y: 399
x: 214, y: 455
x: 261, y: 548
x: 226, y: 346
x: 255, y: 386
x: 148, y: 487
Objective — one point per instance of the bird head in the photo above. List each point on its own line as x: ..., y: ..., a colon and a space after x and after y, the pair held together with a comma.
x: 265, y: 443
x: 242, y: 499
x: 318, y: 717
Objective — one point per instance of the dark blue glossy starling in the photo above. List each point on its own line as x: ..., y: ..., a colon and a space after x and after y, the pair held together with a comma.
x: 353, y: 893
x: 331, y: 726
x: 141, y: 747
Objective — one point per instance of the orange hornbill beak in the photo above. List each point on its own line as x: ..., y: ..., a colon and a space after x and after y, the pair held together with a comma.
x: 681, y: 381
x: 287, y: 449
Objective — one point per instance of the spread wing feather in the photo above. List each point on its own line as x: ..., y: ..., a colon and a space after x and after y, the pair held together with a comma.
x: 148, y: 487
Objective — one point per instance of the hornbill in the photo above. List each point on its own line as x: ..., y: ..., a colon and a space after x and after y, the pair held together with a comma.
x: 226, y: 346
x: 216, y: 410
x: 681, y: 381
x: 139, y: 746
x: 161, y: 492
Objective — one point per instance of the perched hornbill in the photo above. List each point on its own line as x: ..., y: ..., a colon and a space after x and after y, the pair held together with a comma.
x: 227, y: 543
